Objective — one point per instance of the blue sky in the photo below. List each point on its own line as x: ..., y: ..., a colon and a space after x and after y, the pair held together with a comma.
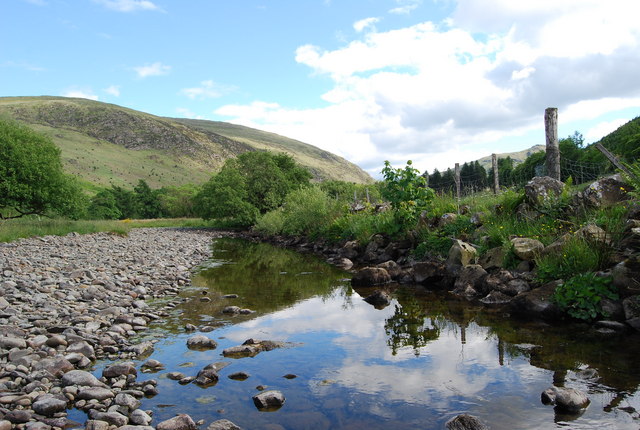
x: 434, y: 81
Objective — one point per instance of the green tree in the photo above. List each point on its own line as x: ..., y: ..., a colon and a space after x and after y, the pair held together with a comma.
x: 254, y: 183
x: 126, y: 202
x: 177, y: 202
x: 32, y: 181
x: 104, y: 206
x: 147, y: 201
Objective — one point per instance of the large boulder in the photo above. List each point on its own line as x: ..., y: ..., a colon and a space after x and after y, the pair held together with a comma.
x: 605, y: 192
x: 470, y: 281
x: 537, y: 303
x: 370, y: 276
x: 201, y: 342
x: 180, y: 422
x: 492, y: 259
x: 626, y: 276
x: 542, y: 190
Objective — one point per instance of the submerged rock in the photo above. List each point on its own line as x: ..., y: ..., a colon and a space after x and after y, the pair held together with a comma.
x: 380, y: 299
x: 566, y: 399
x: 370, y: 276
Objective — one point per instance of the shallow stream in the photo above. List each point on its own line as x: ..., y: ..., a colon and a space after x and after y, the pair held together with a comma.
x: 414, y: 364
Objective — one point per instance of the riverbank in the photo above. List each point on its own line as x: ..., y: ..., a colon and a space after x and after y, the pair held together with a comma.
x: 66, y: 301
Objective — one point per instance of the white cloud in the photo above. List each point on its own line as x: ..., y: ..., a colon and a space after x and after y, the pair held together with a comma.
x: 207, y: 89
x: 186, y: 113
x: 436, y: 92
x: 79, y: 93
x: 155, y: 69
x: 601, y: 129
x: 113, y: 90
x: 128, y: 5
x: 405, y: 6
x: 359, y: 26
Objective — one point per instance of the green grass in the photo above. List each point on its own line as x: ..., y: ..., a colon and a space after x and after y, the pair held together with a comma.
x: 11, y: 230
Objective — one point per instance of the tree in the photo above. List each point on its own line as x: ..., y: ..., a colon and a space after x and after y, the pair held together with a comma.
x: 147, y: 202
x: 256, y: 182
x: 104, y: 206
x: 32, y: 181
x: 177, y: 202
x: 407, y: 191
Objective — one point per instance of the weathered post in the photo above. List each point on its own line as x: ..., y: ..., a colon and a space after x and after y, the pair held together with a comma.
x: 457, y: 173
x: 496, y: 180
x: 553, y: 148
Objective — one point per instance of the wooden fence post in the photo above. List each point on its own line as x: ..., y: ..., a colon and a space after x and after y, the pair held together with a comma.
x: 496, y: 180
x: 553, y: 148
x: 457, y: 173
x: 614, y: 160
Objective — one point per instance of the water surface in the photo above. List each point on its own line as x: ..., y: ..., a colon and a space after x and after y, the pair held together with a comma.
x: 414, y: 364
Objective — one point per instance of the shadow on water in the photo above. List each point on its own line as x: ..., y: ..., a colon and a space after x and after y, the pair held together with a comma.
x: 413, y: 364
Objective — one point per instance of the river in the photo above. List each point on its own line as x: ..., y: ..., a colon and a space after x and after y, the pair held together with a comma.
x: 413, y: 364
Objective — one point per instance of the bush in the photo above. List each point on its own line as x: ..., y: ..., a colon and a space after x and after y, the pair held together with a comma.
x: 581, y: 295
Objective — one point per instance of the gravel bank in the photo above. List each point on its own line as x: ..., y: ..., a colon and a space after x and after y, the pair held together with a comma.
x: 65, y: 301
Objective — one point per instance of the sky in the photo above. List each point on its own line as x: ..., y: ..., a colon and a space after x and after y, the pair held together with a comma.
x: 432, y: 81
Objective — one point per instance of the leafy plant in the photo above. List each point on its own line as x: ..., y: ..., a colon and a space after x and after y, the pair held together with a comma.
x: 407, y: 192
x: 581, y: 295
x: 577, y: 256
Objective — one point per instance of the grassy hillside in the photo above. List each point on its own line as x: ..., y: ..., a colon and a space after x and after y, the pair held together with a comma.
x: 108, y: 144
x: 517, y: 157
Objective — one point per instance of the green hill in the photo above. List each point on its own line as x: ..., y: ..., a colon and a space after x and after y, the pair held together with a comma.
x: 106, y: 144
x: 517, y: 157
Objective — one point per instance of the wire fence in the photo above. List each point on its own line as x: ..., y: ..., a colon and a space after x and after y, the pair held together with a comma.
x: 480, y: 180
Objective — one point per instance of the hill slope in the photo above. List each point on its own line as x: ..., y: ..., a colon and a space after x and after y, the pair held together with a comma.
x: 104, y: 143
x: 517, y: 157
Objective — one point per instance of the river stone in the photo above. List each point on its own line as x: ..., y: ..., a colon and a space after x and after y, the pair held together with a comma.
x: 393, y: 269
x: 140, y: 418
x: 56, y: 340
x: 567, y: 399
x: 201, y: 342
x: 379, y: 299
x: 8, y: 342
x: 128, y: 401
x: 465, y: 422
x: 5, y: 425
x: 492, y: 259
x: 49, y: 406
x: 537, y: 303
x: 271, y: 399
x: 119, y: 369
x: 56, y: 366
x: 428, y: 272
x: 232, y: 310
x: 495, y: 298
x: 370, y: 276
x: 97, y: 393
x: 113, y: 418
x: 18, y: 416
x: 96, y: 425
x: 141, y: 349
x: 181, y: 422
x: 80, y: 377
x: 223, y: 425
x: 207, y: 377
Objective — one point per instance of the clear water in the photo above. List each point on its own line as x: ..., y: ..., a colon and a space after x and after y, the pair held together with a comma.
x: 414, y: 364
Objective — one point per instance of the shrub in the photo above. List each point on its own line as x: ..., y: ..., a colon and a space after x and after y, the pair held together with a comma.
x: 581, y: 295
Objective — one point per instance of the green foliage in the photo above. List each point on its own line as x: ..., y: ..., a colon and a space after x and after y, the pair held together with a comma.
x: 407, y: 192
x: 103, y: 206
x: 254, y: 183
x: 363, y: 225
x: 437, y: 242
x: 147, y: 201
x: 633, y: 179
x: 347, y: 191
x: 178, y: 201
x: 32, y: 181
x: 307, y: 211
x: 581, y: 295
x: 578, y: 256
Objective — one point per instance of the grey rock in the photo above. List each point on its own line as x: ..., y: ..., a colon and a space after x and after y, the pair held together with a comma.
x: 128, y: 401
x: 140, y: 418
x: 379, y: 299
x: 201, y: 342
x: 271, y: 399
x: 119, y: 369
x: 223, y: 425
x: 465, y: 422
x: 8, y: 342
x: 181, y: 422
x: 49, y: 406
x: 207, y: 377
x: 567, y: 399
x: 96, y: 425
x: 370, y: 276
x: 97, y: 393
x: 80, y: 377
x: 113, y: 418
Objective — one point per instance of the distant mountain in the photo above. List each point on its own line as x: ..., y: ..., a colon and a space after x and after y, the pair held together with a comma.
x: 517, y: 157
x: 108, y: 144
